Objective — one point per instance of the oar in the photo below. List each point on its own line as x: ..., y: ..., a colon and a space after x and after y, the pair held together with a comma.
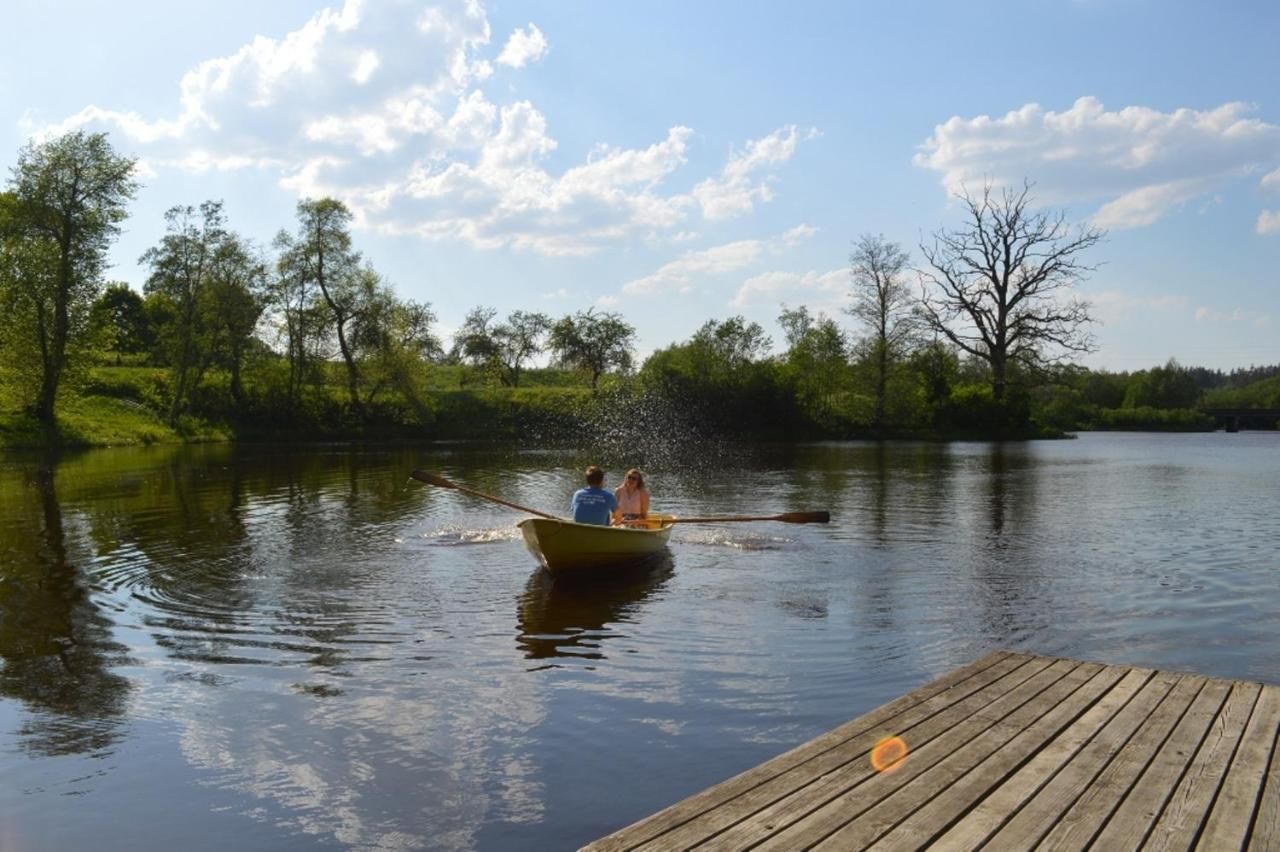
x: 785, y: 517
x: 441, y: 482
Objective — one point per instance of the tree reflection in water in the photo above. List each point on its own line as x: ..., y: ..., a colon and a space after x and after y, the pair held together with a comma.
x: 55, y: 641
x: 571, y: 617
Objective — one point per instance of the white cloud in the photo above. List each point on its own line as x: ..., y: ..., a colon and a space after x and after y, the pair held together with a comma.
x: 377, y: 103
x: 1271, y: 180
x: 1269, y: 222
x: 828, y: 287
x: 1111, y: 306
x: 798, y: 234
x: 679, y: 275
x: 366, y: 64
x: 736, y: 189
x: 1138, y: 161
x: 523, y: 47
x: 1236, y: 315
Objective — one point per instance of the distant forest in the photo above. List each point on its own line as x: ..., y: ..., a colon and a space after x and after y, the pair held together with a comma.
x: 303, y: 338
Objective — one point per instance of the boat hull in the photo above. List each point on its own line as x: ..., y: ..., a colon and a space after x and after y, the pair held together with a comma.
x: 564, y: 547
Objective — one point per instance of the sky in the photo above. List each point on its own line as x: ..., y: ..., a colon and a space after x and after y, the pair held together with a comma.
x: 677, y: 162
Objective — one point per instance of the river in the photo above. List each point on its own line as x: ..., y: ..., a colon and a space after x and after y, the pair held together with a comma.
x: 297, y: 648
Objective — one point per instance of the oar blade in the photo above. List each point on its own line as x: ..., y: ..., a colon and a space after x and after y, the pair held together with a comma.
x: 432, y: 479
x: 805, y: 517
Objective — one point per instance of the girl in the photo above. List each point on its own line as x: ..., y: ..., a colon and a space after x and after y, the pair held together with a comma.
x: 633, y: 498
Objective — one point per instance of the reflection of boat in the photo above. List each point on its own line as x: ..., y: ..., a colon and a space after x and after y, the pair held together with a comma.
x: 566, y: 547
x: 562, y: 619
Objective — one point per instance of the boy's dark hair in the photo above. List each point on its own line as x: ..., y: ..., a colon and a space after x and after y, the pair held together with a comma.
x: 595, y: 476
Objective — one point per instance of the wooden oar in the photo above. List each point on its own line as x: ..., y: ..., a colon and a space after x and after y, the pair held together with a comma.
x: 441, y: 482
x: 785, y: 517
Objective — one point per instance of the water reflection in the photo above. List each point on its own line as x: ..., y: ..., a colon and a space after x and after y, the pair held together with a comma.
x: 567, y: 617
x: 55, y: 642
x: 300, y: 637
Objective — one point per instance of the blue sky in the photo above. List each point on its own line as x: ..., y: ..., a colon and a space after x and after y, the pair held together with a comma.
x: 677, y: 162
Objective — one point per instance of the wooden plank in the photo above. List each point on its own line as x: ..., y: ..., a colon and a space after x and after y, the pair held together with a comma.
x: 792, y: 795
x: 946, y: 689
x: 1087, y: 815
x: 1266, y: 824
x: 1137, y: 814
x: 1039, y: 814
x: 1232, y: 815
x: 1189, y: 805
x: 848, y: 794
x: 993, y: 811
x: 1012, y: 751
x: 1001, y: 754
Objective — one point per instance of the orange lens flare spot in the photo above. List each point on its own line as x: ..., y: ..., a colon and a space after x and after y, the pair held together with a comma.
x: 888, y: 754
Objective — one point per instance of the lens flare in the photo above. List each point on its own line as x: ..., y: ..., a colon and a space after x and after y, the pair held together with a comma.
x: 889, y: 754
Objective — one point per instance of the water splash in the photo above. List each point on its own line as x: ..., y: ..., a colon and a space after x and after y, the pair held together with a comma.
x: 458, y: 536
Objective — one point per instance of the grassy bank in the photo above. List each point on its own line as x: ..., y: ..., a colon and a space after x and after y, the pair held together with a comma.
x: 114, y: 406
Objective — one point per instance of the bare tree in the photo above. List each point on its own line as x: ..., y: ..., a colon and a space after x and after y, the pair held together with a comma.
x: 884, y: 304
x: 999, y: 287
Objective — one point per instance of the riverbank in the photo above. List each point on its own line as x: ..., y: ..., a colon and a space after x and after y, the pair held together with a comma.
x: 129, y: 405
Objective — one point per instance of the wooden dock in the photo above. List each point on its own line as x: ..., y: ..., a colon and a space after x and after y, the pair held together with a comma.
x: 1011, y: 752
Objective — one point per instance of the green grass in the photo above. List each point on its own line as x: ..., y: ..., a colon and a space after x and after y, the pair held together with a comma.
x: 113, y: 406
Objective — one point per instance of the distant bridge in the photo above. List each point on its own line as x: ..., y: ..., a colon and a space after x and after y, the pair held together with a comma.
x: 1235, y: 419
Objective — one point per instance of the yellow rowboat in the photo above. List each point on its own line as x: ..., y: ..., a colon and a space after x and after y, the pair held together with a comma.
x: 565, y: 547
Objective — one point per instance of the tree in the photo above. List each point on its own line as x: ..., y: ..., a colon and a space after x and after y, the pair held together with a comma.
x: 728, y: 345
x: 69, y: 197
x: 1170, y: 386
x: 473, y: 343
x: 321, y: 255
x: 118, y: 314
x: 816, y: 360
x: 593, y: 342
x: 233, y: 304
x: 396, y: 340
x: 997, y: 287
x: 883, y: 304
x: 519, y: 339
x: 181, y: 268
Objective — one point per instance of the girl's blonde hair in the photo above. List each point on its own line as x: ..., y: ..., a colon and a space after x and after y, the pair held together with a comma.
x: 638, y: 475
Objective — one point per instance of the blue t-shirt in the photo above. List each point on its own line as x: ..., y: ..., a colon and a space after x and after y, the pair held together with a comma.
x: 593, y: 505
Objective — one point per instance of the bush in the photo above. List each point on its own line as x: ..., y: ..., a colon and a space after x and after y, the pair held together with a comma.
x: 1148, y: 419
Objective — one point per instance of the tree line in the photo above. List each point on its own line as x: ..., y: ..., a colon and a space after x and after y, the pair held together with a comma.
x: 976, y: 339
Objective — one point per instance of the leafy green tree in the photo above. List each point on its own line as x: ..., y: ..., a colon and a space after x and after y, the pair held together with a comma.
x: 396, y: 341
x: 1103, y: 389
x: 181, y: 269
x: 518, y: 339
x: 725, y: 346
x: 722, y: 379
x: 817, y: 361
x: 938, y: 370
x: 1170, y: 386
x: 884, y: 305
x: 320, y: 259
x: 69, y: 196
x: 474, y: 341
x: 593, y: 342
x: 118, y: 314
x: 232, y: 304
x: 999, y: 286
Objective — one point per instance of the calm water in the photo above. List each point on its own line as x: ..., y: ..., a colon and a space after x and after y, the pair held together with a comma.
x: 218, y: 648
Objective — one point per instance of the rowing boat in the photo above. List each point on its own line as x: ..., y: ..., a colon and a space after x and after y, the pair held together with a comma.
x: 565, y: 547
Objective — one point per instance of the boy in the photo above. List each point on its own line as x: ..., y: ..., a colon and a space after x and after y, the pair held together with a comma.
x: 593, y: 504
